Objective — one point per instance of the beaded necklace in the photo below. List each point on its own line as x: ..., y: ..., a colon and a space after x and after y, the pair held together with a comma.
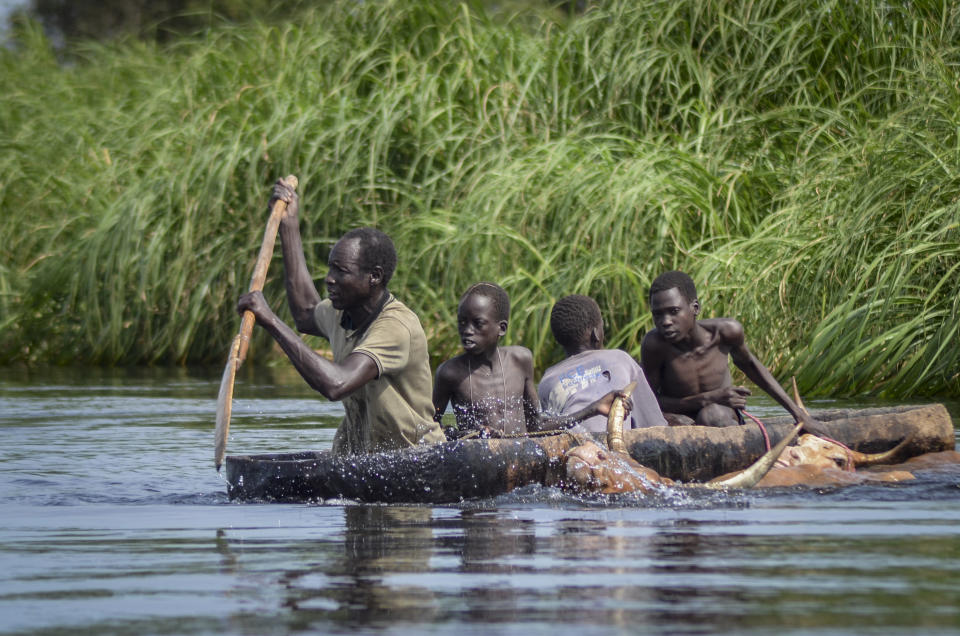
x: 503, y: 380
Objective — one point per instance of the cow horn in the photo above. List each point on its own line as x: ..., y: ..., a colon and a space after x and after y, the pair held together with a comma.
x: 757, y: 471
x: 872, y: 459
x: 796, y: 395
x: 615, y: 421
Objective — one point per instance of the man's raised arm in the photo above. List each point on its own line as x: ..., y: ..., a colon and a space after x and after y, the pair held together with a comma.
x: 302, y: 294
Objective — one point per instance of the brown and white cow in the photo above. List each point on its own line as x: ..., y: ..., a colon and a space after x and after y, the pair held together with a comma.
x: 592, y: 468
x: 816, y: 462
x: 813, y: 461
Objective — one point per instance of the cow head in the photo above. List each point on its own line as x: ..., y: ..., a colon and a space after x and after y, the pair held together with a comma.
x: 590, y: 467
x: 821, y: 453
x: 811, y: 450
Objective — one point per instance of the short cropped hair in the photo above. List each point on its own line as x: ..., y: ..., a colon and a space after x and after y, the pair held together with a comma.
x: 497, y: 295
x: 675, y: 279
x: 376, y: 250
x: 572, y: 316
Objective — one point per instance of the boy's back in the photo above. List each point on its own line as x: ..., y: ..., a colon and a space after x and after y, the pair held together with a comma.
x: 579, y: 380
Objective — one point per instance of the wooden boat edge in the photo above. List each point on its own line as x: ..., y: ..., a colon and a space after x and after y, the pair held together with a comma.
x: 454, y: 471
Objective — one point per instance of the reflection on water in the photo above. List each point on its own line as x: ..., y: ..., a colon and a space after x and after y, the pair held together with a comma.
x: 114, y: 521
x: 715, y: 570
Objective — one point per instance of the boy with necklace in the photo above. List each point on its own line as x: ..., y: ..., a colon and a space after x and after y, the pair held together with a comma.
x: 491, y: 388
x: 686, y: 361
x: 589, y: 370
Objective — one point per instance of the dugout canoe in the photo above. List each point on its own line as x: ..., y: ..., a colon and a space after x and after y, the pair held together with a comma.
x: 454, y: 471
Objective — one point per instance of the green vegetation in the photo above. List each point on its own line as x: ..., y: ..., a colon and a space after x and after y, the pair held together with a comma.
x: 800, y: 159
x: 70, y: 21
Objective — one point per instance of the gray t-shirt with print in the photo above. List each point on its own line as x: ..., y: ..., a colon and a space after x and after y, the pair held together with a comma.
x: 581, y: 379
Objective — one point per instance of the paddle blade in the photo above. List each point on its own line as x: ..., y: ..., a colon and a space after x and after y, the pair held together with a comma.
x: 225, y: 404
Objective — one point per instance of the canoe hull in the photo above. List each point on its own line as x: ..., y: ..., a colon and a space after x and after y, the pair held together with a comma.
x: 438, y: 473
x: 695, y: 453
x: 467, y: 469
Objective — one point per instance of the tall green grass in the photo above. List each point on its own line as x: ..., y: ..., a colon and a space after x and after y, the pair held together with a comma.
x: 799, y: 159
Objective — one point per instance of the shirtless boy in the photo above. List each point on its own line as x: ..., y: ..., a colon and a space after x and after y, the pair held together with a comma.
x: 685, y: 361
x: 491, y: 388
x: 589, y: 370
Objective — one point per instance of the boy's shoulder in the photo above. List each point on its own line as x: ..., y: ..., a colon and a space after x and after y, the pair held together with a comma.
x: 617, y: 354
x: 452, y: 367
x: 517, y: 354
x: 603, y: 358
x: 652, y: 340
x: 729, y: 330
x: 516, y: 350
x: 614, y: 359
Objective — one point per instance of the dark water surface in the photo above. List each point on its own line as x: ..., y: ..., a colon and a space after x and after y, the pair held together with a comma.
x: 115, y: 522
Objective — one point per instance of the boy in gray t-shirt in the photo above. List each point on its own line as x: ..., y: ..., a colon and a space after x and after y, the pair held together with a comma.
x: 588, y: 372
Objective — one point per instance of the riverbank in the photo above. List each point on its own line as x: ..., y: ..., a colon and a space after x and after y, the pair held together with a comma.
x: 798, y: 160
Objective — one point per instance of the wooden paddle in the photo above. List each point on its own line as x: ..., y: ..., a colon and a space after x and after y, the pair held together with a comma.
x: 238, y: 350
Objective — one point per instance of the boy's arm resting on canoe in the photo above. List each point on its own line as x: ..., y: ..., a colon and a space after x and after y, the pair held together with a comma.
x: 733, y: 396
x: 334, y: 381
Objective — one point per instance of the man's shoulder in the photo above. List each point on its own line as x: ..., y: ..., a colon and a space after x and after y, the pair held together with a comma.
x: 622, y: 357
x: 612, y: 359
x: 722, y: 322
x: 396, y: 311
x: 593, y: 358
x: 396, y: 307
x: 616, y: 353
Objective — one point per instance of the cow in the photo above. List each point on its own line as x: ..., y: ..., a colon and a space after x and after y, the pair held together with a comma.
x: 813, y: 461
x: 816, y: 461
x: 592, y: 468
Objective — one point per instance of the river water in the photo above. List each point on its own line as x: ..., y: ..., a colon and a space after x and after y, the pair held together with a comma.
x: 115, y: 522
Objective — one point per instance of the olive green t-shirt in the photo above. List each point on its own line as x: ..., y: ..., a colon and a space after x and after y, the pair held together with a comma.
x: 394, y: 410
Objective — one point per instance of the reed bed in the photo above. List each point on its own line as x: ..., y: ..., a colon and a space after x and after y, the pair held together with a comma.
x: 799, y: 159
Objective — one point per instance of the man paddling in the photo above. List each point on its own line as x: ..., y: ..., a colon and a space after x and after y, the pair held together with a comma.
x: 380, y: 368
